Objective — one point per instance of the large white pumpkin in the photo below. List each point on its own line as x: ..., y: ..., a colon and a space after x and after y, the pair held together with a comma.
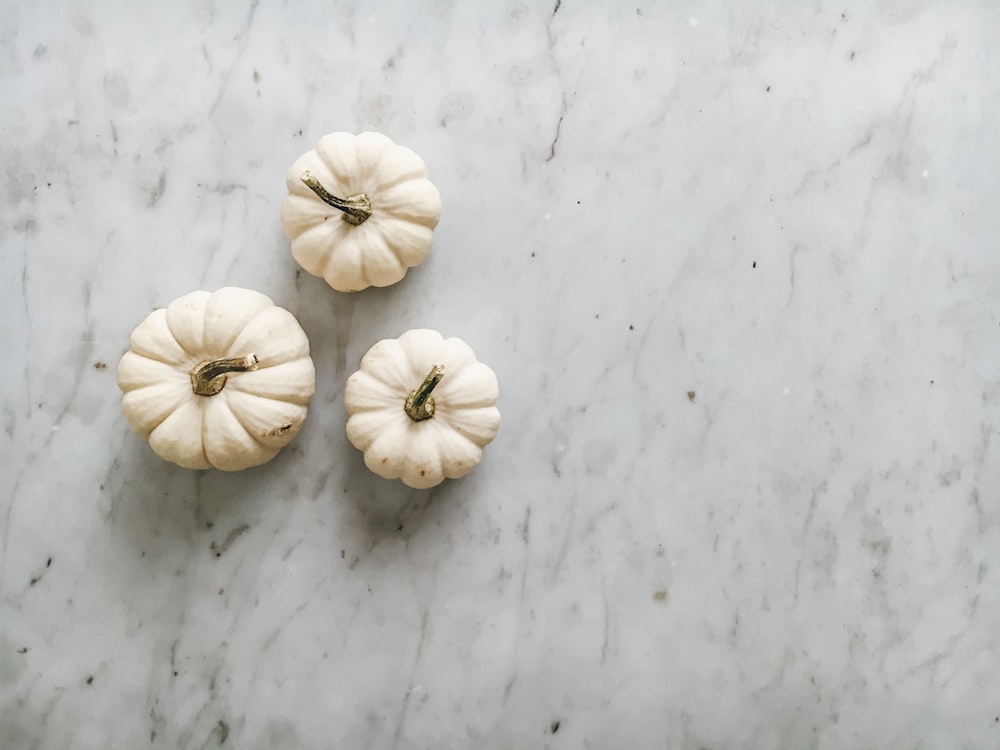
x: 217, y: 380
x: 360, y: 210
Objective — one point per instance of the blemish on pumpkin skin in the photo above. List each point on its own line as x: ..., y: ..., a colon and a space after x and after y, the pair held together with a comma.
x: 279, y: 431
x: 99, y: 365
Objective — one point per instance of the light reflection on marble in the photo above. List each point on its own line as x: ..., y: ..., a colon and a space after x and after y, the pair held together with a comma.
x: 736, y: 268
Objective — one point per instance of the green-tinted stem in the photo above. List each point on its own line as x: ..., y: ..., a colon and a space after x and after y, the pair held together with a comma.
x: 420, y: 403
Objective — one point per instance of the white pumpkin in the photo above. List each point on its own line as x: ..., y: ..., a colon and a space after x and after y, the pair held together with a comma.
x: 217, y: 380
x: 422, y: 408
x: 360, y: 210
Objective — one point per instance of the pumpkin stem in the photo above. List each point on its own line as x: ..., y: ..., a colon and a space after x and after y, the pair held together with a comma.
x: 357, y: 208
x: 210, y: 378
x: 420, y: 403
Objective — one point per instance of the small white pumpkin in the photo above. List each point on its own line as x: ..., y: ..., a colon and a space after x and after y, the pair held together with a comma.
x: 360, y: 210
x: 217, y: 380
x: 422, y: 408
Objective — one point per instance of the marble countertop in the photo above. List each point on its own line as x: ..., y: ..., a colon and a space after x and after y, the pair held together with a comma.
x: 736, y: 268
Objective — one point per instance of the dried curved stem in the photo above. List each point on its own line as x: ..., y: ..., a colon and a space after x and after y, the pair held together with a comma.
x: 357, y: 208
x: 419, y: 404
x: 209, y: 378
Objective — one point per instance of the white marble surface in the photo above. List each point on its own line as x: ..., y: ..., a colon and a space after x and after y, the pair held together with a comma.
x: 787, y: 209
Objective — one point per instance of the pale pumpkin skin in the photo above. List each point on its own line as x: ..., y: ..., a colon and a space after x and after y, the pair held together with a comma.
x: 422, y: 453
x: 254, y: 415
x: 405, y: 208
